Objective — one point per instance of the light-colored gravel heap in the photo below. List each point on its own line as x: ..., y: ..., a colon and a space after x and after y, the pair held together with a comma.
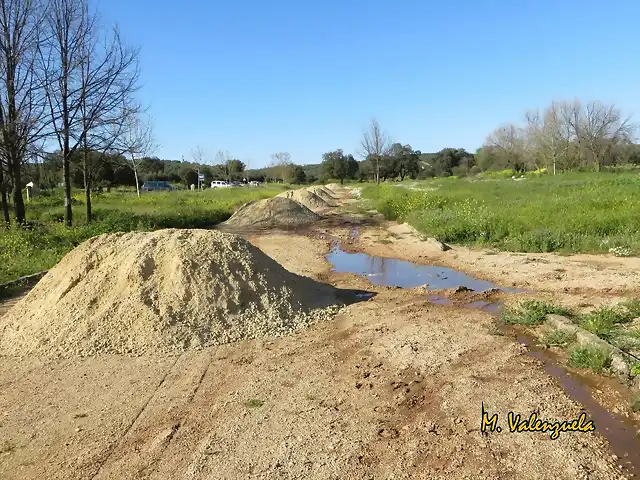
x: 272, y: 212
x: 161, y: 292
x: 306, y: 198
x: 329, y: 197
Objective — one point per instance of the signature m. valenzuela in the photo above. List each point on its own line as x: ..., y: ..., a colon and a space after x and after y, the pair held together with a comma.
x: 534, y: 424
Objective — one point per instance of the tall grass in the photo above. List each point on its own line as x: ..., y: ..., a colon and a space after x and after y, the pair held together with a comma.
x: 29, y: 250
x: 583, y: 212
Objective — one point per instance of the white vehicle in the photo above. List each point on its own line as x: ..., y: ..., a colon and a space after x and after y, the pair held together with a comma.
x: 219, y: 184
x: 254, y: 183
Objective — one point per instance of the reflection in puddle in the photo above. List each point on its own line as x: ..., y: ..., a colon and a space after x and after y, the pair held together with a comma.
x: 391, y: 272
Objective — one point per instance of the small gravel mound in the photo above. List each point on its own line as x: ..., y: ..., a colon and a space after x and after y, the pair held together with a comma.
x: 272, y: 212
x: 161, y: 292
x: 329, y: 197
x: 306, y: 198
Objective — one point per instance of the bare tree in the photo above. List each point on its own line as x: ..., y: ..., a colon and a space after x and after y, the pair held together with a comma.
x: 550, y: 136
x: 508, y: 142
x: 600, y: 128
x: 374, y: 145
x: 198, y: 155
x: 136, y: 140
x: 21, y: 93
x: 89, y: 75
x: 282, y: 164
x: 222, y: 161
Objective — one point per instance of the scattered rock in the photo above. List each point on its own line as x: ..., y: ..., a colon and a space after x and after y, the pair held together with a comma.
x: 619, y: 365
x: 437, y: 244
x: 461, y: 289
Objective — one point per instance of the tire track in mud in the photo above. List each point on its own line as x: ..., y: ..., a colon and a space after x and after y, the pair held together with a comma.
x: 144, y: 445
x: 165, y: 445
x: 111, y: 449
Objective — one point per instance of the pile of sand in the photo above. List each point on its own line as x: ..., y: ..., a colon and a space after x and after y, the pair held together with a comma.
x: 161, y: 292
x: 306, y: 198
x: 272, y: 212
x: 329, y: 197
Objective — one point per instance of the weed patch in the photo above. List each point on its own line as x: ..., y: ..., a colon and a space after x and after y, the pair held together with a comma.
x: 558, y: 338
x: 532, y: 313
x: 590, y: 356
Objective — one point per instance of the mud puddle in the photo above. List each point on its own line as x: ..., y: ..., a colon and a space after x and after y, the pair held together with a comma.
x: 621, y: 435
x: 391, y: 272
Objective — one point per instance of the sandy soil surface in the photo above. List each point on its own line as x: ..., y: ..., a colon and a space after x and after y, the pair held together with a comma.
x: 390, y: 388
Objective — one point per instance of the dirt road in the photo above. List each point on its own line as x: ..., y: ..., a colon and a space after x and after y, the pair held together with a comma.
x: 391, y: 388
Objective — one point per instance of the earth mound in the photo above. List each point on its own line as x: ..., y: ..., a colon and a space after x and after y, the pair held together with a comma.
x: 161, y: 292
x: 272, y: 212
x: 306, y: 198
x: 326, y: 195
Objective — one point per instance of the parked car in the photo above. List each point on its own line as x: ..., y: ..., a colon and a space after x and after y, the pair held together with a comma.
x: 253, y: 183
x: 219, y: 184
x: 154, y: 186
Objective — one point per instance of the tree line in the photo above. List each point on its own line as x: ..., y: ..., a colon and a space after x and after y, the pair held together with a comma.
x: 567, y: 135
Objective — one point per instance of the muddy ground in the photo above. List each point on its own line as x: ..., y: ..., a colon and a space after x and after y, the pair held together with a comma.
x: 390, y: 388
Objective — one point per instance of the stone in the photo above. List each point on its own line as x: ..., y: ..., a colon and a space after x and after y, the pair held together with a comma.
x: 619, y: 365
x: 437, y: 244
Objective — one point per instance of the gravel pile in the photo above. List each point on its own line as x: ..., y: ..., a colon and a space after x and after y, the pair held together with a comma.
x: 329, y: 197
x: 161, y: 292
x: 306, y: 198
x: 272, y: 213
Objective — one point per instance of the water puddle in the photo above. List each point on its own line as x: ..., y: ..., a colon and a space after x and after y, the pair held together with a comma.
x: 621, y: 437
x: 391, y: 272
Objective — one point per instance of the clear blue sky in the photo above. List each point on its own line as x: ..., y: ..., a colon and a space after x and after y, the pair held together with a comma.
x: 259, y: 76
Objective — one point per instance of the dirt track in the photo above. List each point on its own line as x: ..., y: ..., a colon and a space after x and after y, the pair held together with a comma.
x: 392, y: 388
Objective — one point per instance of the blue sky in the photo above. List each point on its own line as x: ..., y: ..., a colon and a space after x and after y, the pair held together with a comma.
x: 257, y: 77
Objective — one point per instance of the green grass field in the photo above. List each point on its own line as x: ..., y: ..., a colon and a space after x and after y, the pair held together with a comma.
x: 581, y: 212
x: 27, y: 251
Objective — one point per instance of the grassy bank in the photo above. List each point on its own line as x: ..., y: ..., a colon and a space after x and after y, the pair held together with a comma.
x: 584, y: 212
x: 26, y: 251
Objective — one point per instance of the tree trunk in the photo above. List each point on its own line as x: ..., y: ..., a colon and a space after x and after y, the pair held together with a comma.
x: 87, y: 183
x: 18, y: 201
x: 341, y: 180
x: 87, y: 192
x: 68, y: 213
x: 87, y: 195
x: 135, y: 174
x: 5, y: 206
x: 377, y: 171
x: 5, y: 203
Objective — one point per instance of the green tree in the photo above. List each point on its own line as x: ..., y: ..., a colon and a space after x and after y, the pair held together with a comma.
x: 338, y: 165
x: 299, y: 176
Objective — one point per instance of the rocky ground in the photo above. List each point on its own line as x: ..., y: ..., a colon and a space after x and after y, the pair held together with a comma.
x: 391, y: 388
